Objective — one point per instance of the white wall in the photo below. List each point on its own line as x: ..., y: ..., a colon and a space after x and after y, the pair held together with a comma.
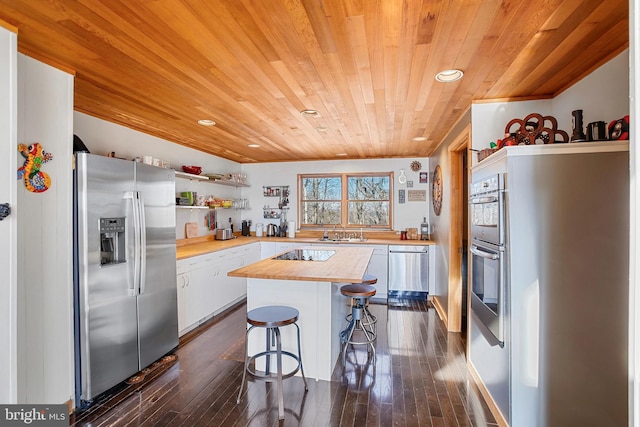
x: 409, y: 214
x: 440, y: 224
x: 8, y: 226
x: 602, y: 95
x: 45, y: 291
x: 490, y: 119
x: 599, y: 96
x: 102, y: 137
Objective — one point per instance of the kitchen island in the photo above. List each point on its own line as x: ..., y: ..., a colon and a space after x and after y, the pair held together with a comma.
x: 312, y: 287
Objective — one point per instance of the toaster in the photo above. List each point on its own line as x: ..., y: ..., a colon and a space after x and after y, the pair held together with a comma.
x: 224, y: 234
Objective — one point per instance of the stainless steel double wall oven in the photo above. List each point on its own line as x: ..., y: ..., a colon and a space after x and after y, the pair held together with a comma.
x: 488, y: 265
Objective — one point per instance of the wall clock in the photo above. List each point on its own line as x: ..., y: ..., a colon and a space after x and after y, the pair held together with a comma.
x: 436, y: 190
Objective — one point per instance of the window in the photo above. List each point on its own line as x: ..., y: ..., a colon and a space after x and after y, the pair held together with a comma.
x: 350, y: 200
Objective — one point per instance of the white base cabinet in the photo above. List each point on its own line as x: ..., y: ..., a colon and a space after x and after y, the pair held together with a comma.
x: 378, y: 266
x: 270, y: 249
x: 204, y: 289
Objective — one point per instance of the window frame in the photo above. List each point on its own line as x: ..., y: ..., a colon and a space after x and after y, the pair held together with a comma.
x: 344, y: 200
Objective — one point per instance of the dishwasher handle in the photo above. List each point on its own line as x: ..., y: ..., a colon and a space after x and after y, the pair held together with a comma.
x: 405, y: 251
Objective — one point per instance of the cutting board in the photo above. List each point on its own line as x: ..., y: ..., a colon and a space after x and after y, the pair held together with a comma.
x: 191, y: 229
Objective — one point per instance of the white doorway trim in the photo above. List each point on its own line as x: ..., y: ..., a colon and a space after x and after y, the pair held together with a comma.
x: 8, y: 226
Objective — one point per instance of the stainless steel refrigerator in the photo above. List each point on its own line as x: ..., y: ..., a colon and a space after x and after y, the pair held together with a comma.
x: 124, y: 270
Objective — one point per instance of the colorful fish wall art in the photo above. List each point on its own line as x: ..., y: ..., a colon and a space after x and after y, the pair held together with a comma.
x: 35, y: 180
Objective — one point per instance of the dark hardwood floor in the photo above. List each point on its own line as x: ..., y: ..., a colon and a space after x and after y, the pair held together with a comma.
x: 419, y: 379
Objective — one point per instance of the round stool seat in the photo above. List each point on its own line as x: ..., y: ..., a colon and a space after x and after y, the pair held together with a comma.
x: 358, y: 290
x: 272, y: 316
x: 369, y: 279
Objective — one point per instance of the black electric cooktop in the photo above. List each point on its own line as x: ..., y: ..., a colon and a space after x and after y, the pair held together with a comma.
x: 305, y: 255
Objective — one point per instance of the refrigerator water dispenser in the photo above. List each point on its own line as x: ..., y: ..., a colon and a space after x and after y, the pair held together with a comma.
x: 112, y: 241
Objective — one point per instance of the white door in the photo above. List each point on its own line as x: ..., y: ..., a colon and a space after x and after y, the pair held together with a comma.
x: 8, y: 225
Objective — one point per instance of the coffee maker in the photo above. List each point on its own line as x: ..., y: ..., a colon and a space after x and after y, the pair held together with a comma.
x: 246, y: 226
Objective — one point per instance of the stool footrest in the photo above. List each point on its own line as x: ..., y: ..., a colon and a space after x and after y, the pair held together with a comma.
x: 273, y: 376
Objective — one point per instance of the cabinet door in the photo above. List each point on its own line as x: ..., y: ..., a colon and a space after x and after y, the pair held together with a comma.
x: 251, y: 253
x: 208, y: 274
x: 378, y: 266
x: 195, y: 305
x: 267, y: 249
x: 283, y: 247
x: 198, y: 291
x: 229, y: 289
x: 181, y: 283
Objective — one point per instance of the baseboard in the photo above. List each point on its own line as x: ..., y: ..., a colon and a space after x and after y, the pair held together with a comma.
x: 495, y: 411
x: 440, y: 310
x: 206, y: 324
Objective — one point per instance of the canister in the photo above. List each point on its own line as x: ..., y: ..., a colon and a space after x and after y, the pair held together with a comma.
x: 258, y: 230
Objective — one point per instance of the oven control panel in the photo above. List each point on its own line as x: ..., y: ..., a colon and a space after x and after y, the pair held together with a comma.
x: 487, y: 185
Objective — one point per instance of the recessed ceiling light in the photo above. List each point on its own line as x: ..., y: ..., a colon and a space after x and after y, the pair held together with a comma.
x: 322, y: 129
x: 419, y: 138
x: 341, y: 154
x: 206, y: 122
x: 312, y: 113
x: 253, y: 145
x: 447, y: 76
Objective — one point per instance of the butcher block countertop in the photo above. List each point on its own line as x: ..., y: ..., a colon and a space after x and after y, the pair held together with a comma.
x: 346, y: 265
x: 187, y: 248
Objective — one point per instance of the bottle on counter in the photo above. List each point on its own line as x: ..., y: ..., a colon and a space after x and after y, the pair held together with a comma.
x: 424, y: 229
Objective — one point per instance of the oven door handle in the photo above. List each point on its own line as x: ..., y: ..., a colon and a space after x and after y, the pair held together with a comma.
x: 483, y: 254
x: 486, y: 199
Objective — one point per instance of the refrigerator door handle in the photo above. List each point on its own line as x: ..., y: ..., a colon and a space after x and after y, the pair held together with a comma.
x: 143, y: 243
x: 133, y: 289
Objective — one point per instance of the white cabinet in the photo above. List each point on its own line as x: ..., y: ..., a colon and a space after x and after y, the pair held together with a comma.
x: 182, y: 281
x: 378, y: 266
x: 267, y: 249
x: 286, y: 246
x: 204, y: 289
x: 192, y: 293
x: 230, y: 290
x: 270, y: 249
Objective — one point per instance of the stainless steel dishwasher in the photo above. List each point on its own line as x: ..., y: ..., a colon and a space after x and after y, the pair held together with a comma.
x: 408, y: 271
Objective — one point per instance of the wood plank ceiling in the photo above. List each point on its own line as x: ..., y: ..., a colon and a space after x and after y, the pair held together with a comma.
x: 366, y: 66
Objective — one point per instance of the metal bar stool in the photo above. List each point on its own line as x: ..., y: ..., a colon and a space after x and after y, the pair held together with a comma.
x: 369, y: 320
x: 360, y: 294
x: 272, y: 318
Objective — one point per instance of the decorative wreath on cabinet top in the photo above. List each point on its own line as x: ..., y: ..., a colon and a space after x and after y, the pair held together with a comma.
x: 436, y: 190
